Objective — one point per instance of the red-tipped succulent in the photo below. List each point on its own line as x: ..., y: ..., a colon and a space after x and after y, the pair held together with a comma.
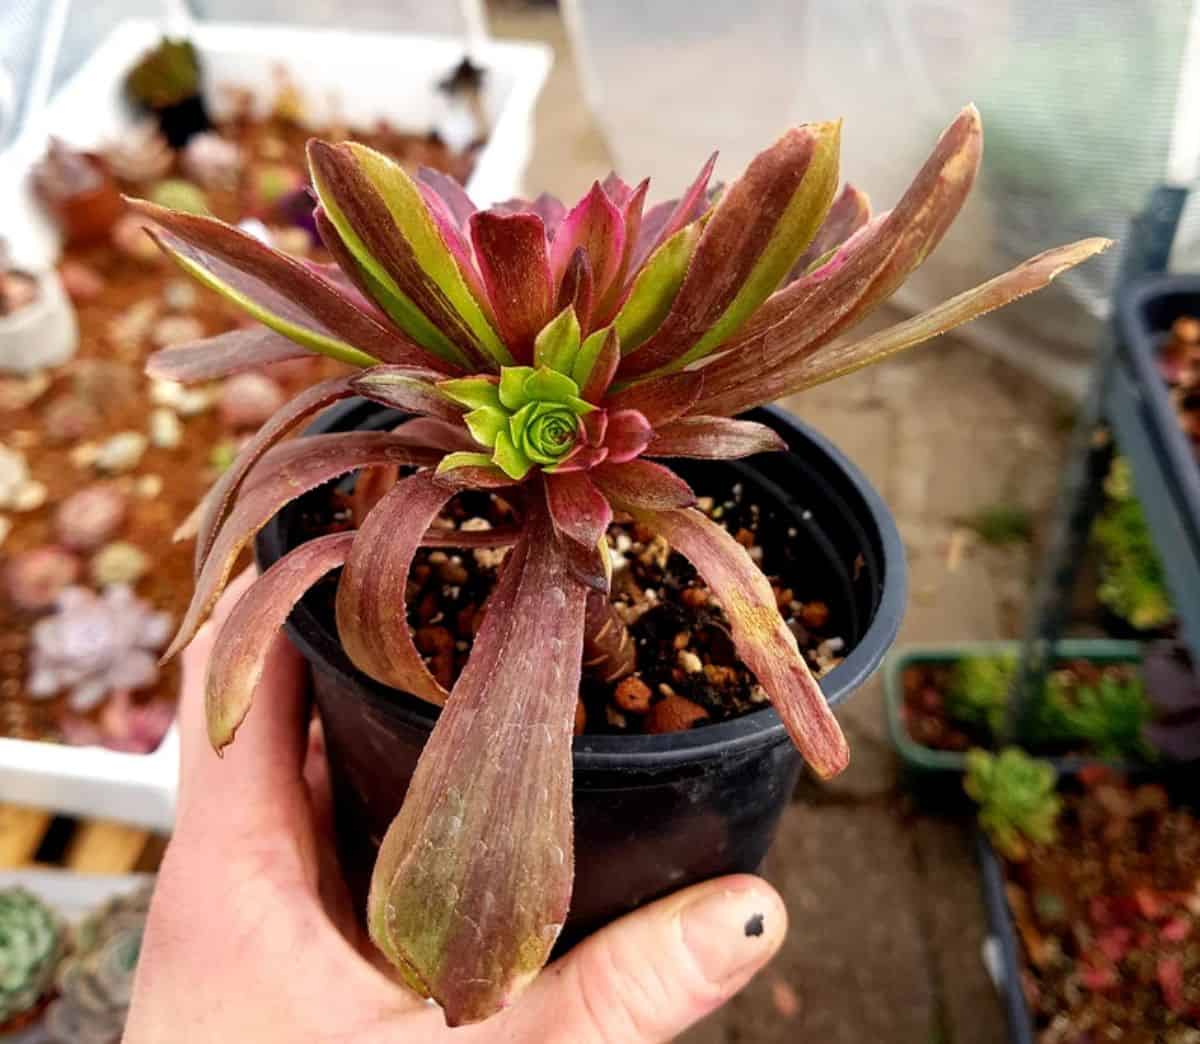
x: 556, y: 354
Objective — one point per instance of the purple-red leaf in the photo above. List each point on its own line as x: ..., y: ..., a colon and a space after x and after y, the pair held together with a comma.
x: 642, y: 484
x: 447, y: 436
x: 579, y: 509
x: 294, y: 469
x: 628, y: 434
x: 217, y: 502
x: 371, y: 614
x: 850, y: 212
x: 596, y: 365
x: 245, y: 639
x: 763, y: 641
x: 512, y: 255
x: 661, y: 399
x: 473, y: 880
x: 713, y: 438
x: 223, y: 355
x: 458, y: 204
x: 278, y: 290
x: 576, y: 288
x: 661, y: 222
x: 404, y: 388
x: 596, y: 225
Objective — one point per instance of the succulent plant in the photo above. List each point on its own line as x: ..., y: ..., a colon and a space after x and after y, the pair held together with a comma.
x: 1016, y: 798
x: 165, y: 75
x: 93, y: 645
x: 567, y: 347
x: 1108, y: 714
x: 978, y: 694
x: 95, y: 983
x: 31, y: 945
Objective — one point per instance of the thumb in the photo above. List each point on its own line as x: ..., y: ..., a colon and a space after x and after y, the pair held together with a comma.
x: 649, y: 976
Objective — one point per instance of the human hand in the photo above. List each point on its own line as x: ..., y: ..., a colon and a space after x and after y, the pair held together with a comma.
x: 251, y: 935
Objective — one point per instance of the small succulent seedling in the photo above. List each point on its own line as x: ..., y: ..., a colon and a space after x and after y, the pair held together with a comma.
x: 32, y: 939
x: 979, y: 692
x: 555, y: 354
x: 1016, y: 798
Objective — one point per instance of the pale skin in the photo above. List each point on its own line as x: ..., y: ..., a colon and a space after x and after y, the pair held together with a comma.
x: 251, y: 936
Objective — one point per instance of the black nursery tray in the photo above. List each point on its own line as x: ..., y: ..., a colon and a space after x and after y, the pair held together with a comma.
x: 1002, y: 934
x: 1166, y: 473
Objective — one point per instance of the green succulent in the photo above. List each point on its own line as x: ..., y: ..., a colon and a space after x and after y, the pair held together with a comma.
x: 31, y: 943
x: 96, y: 982
x: 1108, y: 715
x: 165, y: 75
x: 978, y: 694
x: 1016, y: 798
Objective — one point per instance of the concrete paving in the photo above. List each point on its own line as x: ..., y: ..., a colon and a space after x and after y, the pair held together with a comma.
x: 887, y: 920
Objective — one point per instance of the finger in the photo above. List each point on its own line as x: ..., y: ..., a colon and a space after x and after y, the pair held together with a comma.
x: 650, y: 975
x: 257, y: 783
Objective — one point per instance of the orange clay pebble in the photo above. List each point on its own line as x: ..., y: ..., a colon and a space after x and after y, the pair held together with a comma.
x: 814, y: 614
x: 718, y: 675
x: 580, y: 717
x: 695, y: 597
x: 434, y: 640
x: 1186, y: 329
x: 681, y: 640
x: 632, y: 695
x: 783, y: 597
x: 674, y: 713
x: 744, y: 537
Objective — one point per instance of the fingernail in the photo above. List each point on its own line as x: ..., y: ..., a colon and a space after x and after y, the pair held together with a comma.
x: 732, y: 931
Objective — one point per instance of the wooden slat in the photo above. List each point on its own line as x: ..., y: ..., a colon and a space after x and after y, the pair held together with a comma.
x: 103, y: 847
x: 21, y: 831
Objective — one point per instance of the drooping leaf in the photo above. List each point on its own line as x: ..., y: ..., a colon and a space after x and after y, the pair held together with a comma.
x: 512, y: 253
x: 277, y: 290
x: 219, y: 500
x: 628, y: 434
x: 762, y: 224
x: 291, y: 474
x: 642, y: 484
x: 382, y: 218
x: 762, y: 639
x: 594, y: 224
x: 223, y: 355
x: 371, y: 615
x: 579, y: 509
x: 241, y: 648
x: 473, y: 879
x: 404, y: 388
x: 713, y: 438
x: 850, y: 212
x: 838, y: 360
x: 661, y: 399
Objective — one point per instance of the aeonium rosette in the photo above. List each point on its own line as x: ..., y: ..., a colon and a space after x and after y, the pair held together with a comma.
x: 555, y: 355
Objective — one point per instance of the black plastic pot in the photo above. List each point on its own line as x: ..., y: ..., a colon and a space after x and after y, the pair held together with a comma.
x: 652, y: 813
x: 183, y: 120
x: 1006, y: 950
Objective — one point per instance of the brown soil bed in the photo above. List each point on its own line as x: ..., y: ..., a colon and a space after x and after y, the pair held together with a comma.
x: 1180, y: 366
x: 687, y: 671
x: 1109, y: 919
x: 107, y: 375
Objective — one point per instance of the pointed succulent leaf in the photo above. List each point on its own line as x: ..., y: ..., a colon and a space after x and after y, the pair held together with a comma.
x: 557, y: 344
x: 215, y: 507
x: 631, y: 205
x: 404, y: 388
x: 580, y: 511
x: 473, y: 879
x: 547, y: 385
x: 661, y: 399
x: 627, y: 435
x: 372, y: 620
x: 713, y: 438
x: 838, y: 360
x: 277, y: 290
x: 246, y: 637
x: 510, y: 458
x: 435, y: 434
x: 513, y: 257
x: 655, y: 287
x: 596, y: 225
x: 295, y: 468
x: 642, y: 484
x: 512, y: 386
x: 383, y: 219
x: 223, y: 355
x: 469, y: 470
x: 458, y: 203
x: 596, y: 364
x: 576, y: 289
x: 850, y: 212
x: 763, y: 641
x: 485, y: 424
x: 762, y: 224
x: 662, y: 222
x: 472, y: 392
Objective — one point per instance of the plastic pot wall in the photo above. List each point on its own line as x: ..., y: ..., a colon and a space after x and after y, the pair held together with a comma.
x: 652, y: 813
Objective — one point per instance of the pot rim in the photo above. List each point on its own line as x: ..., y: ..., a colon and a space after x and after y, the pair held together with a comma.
x: 747, y: 733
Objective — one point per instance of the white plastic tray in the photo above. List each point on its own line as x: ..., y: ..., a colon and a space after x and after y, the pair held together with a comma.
x: 366, y: 76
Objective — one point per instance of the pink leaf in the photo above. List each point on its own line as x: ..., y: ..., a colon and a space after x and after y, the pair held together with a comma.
x: 473, y: 880
x: 595, y: 384
x: 512, y: 255
x: 576, y: 288
x: 850, y: 212
x: 450, y: 437
x: 713, y: 438
x: 453, y: 195
x: 246, y: 636
x: 628, y: 434
x: 642, y: 484
x: 661, y: 399
x: 762, y: 639
x: 293, y: 470
x: 596, y: 225
x: 404, y: 388
x: 223, y: 355
x: 371, y: 616
x: 579, y: 509
x: 663, y: 221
